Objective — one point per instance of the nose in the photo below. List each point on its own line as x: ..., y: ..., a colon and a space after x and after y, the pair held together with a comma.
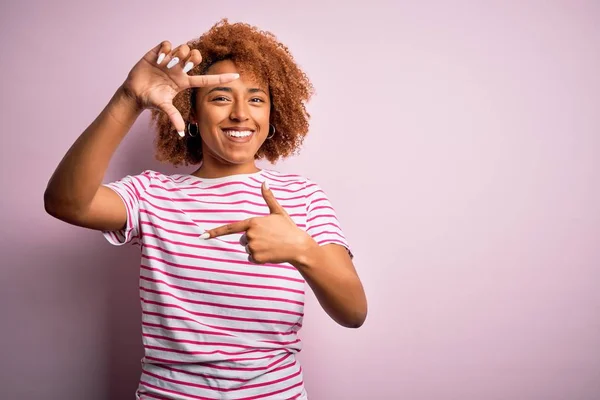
x: 239, y: 111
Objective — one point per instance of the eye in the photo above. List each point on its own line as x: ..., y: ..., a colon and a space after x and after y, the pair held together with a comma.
x: 220, y: 98
x: 257, y: 100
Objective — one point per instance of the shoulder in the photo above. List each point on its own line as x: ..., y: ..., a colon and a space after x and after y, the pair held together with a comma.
x: 152, y: 181
x: 283, y: 179
x: 157, y: 178
x: 294, y: 186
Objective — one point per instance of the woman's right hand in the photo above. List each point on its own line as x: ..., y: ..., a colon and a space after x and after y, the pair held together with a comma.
x: 162, y: 73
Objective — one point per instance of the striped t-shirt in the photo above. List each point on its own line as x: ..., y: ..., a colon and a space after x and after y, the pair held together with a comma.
x: 214, y: 324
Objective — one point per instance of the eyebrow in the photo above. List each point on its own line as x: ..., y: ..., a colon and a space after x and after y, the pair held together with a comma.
x: 229, y: 90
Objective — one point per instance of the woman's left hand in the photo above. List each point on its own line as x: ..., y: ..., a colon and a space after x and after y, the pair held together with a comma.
x: 274, y: 238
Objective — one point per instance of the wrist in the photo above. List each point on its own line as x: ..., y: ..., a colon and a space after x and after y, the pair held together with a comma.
x: 124, y: 96
x: 123, y: 108
x: 307, y: 252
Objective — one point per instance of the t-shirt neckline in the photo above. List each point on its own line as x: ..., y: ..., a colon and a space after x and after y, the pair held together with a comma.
x: 222, y: 179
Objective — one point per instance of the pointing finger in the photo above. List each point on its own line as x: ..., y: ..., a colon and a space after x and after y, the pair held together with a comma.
x: 209, y: 80
x: 236, y: 227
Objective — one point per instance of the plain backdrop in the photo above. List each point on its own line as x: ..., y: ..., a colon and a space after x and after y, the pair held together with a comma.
x: 459, y: 142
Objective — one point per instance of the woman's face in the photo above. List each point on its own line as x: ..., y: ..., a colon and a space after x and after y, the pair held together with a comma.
x: 233, y: 118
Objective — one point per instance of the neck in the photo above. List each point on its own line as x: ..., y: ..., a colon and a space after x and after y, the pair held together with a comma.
x: 212, y: 168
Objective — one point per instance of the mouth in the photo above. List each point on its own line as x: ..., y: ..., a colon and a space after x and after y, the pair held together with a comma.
x: 238, y: 134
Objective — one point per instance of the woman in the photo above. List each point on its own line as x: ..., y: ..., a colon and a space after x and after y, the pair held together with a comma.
x: 225, y: 251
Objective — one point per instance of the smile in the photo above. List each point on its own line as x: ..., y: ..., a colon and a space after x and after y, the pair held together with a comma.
x: 238, y: 136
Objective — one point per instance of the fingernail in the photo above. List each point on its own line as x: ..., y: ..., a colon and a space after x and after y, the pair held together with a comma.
x: 161, y: 57
x: 173, y: 62
x: 204, y: 236
x: 235, y: 76
x: 266, y: 185
x: 188, y: 67
x: 181, y: 133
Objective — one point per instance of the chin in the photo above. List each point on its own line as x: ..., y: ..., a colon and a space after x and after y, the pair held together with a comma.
x: 237, y: 158
x: 233, y: 154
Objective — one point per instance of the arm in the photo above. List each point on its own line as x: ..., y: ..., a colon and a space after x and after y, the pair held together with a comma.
x: 74, y: 193
x: 330, y: 273
x: 327, y: 269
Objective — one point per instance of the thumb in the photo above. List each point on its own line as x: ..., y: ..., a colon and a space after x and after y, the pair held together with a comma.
x: 174, y: 115
x: 272, y: 202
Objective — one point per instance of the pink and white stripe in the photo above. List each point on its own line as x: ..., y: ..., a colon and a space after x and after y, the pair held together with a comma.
x: 214, y: 325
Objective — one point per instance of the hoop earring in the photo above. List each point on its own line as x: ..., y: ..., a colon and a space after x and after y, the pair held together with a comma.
x: 196, y: 131
x: 273, y: 133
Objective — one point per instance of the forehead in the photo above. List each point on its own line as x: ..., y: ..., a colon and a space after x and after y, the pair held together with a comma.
x: 247, y: 76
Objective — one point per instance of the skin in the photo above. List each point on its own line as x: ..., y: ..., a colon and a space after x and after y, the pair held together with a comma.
x: 75, y: 195
x: 327, y: 269
x: 242, y: 103
x: 275, y: 238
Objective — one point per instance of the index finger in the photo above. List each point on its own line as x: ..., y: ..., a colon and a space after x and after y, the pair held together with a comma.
x: 209, y: 80
x: 236, y: 227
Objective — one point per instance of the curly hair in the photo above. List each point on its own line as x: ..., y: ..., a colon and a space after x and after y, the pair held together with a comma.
x: 260, y: 54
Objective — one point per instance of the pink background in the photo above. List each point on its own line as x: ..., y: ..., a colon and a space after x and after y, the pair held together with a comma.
x: 460, y: 144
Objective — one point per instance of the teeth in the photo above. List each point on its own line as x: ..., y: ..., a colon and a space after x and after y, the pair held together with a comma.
x: 238, y: 134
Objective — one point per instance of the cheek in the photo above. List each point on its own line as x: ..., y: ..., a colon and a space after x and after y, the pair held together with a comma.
x: 209, y: 118
x: 262, y: 116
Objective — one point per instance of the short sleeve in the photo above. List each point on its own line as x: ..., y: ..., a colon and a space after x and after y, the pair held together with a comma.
x: 130, y: 189
x: 322, y: 223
